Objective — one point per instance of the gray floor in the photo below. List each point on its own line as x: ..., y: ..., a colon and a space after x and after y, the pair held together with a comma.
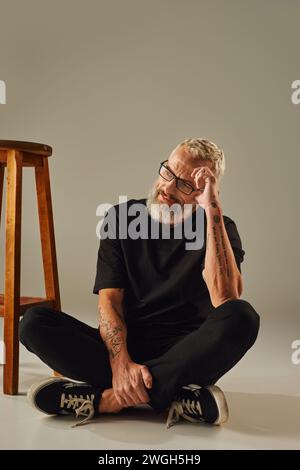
x: 263, y: 393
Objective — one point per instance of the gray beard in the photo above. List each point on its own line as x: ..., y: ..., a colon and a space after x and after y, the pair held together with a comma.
x: 165, y: 214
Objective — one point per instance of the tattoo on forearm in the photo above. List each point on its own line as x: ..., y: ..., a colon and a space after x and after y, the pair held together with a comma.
x: 220, y: 248
x: 218, y: 253
x: 112, y: 337
x: 225, y: 255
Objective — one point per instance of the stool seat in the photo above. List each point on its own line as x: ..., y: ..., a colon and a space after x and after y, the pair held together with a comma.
x: 14, y: 155
x: 29, y: 147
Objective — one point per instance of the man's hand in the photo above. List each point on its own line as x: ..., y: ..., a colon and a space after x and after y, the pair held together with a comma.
x: 129, y: 382
x: 207, y: 185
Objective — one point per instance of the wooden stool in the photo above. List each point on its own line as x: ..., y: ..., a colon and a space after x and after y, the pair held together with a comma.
x: 16, y: 155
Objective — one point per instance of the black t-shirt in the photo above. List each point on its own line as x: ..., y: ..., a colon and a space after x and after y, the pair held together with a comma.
x: 163, y: 282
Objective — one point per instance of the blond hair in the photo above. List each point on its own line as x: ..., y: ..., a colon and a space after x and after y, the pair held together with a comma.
x: 203, y: 149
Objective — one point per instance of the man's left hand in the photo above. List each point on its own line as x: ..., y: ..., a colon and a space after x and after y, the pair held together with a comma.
x: 207, y: 186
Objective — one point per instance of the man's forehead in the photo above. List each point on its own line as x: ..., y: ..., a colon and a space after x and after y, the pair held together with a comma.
x: 182, y: 161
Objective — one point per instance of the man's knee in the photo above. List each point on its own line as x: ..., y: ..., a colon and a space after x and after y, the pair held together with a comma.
x: 247, y: 318
x: 29, y: 324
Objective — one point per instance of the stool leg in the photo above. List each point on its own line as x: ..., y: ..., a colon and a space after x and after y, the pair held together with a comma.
x: 43, y: 190
x: 2, y: 168
x: 12, y: 271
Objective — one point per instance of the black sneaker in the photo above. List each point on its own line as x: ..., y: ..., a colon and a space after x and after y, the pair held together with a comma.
x: 196, y: 404
x: 56, y: 396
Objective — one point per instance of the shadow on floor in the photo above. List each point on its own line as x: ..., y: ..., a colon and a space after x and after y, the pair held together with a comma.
x: 265, y: 415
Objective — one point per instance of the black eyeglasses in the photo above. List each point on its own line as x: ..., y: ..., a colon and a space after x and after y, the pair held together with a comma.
x: 168, y: 175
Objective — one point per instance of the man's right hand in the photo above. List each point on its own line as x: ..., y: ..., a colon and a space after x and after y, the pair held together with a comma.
x: 130, y: 381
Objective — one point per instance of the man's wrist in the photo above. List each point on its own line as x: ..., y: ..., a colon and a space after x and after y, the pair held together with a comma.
x: 120, y: 359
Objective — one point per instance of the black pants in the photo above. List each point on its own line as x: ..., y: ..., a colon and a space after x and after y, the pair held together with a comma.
x: 202, y: 356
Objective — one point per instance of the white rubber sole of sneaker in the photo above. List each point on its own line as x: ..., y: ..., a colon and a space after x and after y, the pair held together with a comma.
x: 37, y: 387
x: 221, y: 402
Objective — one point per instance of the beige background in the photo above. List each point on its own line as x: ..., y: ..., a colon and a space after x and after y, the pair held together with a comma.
x: 113, y: 86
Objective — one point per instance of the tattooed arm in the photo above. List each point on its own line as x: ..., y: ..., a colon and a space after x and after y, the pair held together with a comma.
x: 129, y: 379
x: 112, y: 326
x: 221, y: 274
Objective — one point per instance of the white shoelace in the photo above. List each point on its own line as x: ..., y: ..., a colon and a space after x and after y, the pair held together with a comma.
x: 82, y: 405
x: 179, y: 408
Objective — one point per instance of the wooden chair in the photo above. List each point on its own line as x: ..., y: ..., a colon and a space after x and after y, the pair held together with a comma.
x: 15, y: 155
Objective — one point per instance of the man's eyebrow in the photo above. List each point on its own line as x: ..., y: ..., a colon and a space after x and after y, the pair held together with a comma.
x: 182, y: 179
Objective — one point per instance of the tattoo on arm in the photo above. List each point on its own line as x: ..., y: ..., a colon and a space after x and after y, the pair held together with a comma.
x: 218, y: 252
x: 225, y: 255
x: 219, y: 247
x: 112, y: 335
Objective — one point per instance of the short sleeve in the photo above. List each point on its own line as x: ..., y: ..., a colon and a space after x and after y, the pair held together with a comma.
x: 110, y: 268
x: 235, y: 242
